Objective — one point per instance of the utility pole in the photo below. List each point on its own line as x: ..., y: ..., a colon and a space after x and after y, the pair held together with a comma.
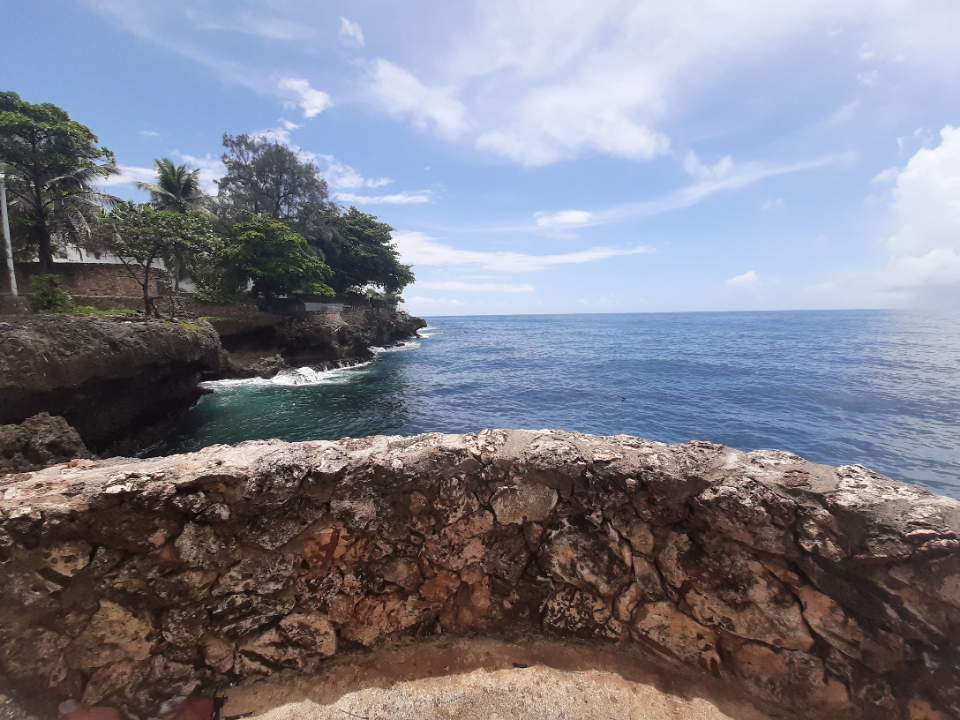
x: 6, y: 235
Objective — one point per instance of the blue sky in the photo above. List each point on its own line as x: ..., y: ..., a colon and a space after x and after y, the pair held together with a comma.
x: 595, y: 156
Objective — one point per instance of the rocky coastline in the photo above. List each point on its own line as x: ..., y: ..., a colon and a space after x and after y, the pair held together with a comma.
x: 121, y: 382
x: 818, y: 591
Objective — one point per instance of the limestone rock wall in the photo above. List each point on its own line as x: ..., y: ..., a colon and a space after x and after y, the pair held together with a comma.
x: 829, y: 592
x: 109, y: 378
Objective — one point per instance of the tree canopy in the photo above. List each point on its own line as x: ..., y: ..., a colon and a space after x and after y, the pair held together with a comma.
x: 52, y: 164
x: 275, y: 259
x: 177, y: 187
x: 143, y: 236
x: 360, y: 250
x: 265, y: 177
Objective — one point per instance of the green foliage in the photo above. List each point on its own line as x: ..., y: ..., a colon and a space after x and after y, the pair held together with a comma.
x: 360, y: 250
x: 141, y: 236
x: 46, y: 295
x: 275, y: 259
x: 177, y: 188
x: 52, y: 163
x: 91, y: 311
x: 268, y: 178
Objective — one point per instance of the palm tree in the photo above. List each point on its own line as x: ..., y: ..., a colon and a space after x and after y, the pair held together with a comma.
x: 177, y: 187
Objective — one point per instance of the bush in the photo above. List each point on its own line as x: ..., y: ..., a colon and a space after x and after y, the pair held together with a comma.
x: 46, y: 295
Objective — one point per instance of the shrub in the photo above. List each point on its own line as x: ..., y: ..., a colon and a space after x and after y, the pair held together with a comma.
x: 46, y: 295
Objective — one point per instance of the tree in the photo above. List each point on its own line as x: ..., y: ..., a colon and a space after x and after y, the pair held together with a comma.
x: 53, y: 163
x: 177, y: 187
x: 274, y: 258
x: 265, y: 177
x: 360, y: 250
x: 142, y: 236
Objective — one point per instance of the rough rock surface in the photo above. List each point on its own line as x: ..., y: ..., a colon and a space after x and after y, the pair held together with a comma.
x: 108, y: 378
x: 264, y: 344
x: 828, y: 592
x: 37, y: 442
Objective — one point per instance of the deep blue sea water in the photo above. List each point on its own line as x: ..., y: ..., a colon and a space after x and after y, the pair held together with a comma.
x: 880, y: 388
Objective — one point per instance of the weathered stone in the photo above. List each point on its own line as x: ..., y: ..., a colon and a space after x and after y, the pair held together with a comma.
x: 314, y: 632
x: 114, y: 634
x: 678, y: 634
x: 883, y: 651
x: 634, y: 531
x: 584, y: 560
x: 575, y: 612
x: 796, y: 582
x: 243, y: 613
x: 789, y: 678
x: 37, y: 442
x: 403, y: 572
x: 263, y: 575
x: 525, y: 502
x: 200, y: 546
x: 184, y: 626
x: 68, y: 558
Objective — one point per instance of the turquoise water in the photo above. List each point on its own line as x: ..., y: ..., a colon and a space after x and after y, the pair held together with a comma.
x: 880, y: 388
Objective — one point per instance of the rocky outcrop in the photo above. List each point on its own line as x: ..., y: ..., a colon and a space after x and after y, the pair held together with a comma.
x: 264, y: 344
x: 37, y: 442
x: 109, y: 378
x: 825, y: 592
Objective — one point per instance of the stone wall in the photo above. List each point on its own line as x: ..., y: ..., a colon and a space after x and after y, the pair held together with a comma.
x: 827, y: 592
x: 94, y: 279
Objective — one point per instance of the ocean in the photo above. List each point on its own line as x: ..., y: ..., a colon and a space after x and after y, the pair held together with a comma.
x: 881, y: 388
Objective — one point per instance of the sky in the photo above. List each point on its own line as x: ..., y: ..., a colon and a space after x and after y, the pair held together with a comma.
x: 557, y: 157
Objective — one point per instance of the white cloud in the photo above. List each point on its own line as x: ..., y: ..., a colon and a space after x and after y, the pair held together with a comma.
x: 476, y: 287
x: 562, y: 219
x: 842, y: 115
x: 399, y: 198
x: 868, y: 78
x: 340, y: 175
x: 402, y: 95
x: 744, y: 280
x: 148, y: 133
x: 310, y: 100
x: 925, y: 245
x: 697, y: 169
x: 128, y: 175
x: 211, y: 169
x: 866, y: 53
x: 351, y: 32
x: 886, y: 175
x: 417, y: 248
x: 289, y: 125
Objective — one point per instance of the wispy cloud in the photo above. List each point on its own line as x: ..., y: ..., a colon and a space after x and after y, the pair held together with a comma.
x: 418, y: 248
x: 148, y: 133
x: 351, y: 32
x: 129, y: 175
x: 399, y: 198
x: 562, y: 219
x: 744, y: 280
x: 402, y: 95
x: 734, y: 176
x: 310, y: 100
x: 476, y: 287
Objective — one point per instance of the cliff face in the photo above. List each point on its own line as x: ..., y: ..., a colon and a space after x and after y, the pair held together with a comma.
x: 108, y: 378
x: 824, y: 592
x: 263, y: 344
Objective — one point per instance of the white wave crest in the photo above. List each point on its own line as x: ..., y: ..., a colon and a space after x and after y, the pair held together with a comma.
x: 408, y: 345
x: 293, y: 377
x: 426, y: 332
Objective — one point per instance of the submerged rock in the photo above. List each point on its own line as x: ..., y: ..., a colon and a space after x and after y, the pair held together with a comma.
x: 826, y: 592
